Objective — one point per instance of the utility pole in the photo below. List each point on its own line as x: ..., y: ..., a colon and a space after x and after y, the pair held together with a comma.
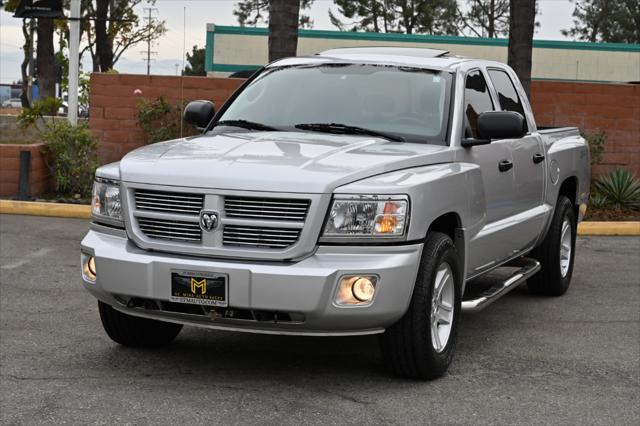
x: 149, y: 52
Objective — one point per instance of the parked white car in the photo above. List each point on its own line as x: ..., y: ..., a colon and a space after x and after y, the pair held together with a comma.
x: 12, y: 103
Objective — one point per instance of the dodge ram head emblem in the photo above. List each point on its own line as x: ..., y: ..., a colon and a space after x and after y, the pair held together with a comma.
x: 208, y: 220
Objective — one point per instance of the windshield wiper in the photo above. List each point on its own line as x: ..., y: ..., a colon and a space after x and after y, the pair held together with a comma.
x: 347, y: 130
x: 245, y: 124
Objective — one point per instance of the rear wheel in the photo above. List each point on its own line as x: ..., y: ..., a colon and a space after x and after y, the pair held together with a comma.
x: 421, y: 344
x: 556, y: 253
x: 135, y: 331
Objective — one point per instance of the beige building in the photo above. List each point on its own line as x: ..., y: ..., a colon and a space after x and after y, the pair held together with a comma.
x: 231, y: 49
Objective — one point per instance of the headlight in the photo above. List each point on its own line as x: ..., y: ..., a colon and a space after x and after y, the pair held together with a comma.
x: 105, y: 202
x: 367, y: 216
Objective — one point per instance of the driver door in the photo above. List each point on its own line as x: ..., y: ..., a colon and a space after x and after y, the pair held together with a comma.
x: 493, y: 243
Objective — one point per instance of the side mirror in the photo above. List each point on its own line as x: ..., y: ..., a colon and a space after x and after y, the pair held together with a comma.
x: 199, y: 113
x: 501, y: 125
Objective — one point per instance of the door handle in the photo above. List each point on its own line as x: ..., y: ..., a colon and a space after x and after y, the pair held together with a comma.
x: 538, y: 158
x: 505, y: 165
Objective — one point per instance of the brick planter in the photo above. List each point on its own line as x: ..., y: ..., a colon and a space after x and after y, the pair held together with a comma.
x: 39, y: 176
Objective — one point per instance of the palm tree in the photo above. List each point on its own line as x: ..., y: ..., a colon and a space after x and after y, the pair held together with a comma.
x: 283, y: 28
x: 45, y: 58
x: 521, y: 23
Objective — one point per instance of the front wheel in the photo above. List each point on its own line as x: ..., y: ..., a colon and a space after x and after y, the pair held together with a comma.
x: 421, y: 344
x: 135, y: 331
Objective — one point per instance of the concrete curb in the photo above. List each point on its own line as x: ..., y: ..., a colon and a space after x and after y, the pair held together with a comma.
x: 84, y: 212
x: 609, y: 228
x: 33, y: 208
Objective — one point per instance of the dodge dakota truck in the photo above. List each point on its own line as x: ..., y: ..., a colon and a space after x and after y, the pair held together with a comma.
x: 357, y: 191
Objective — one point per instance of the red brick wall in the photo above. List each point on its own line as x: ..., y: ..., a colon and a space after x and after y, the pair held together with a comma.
x: 613, y: 108
x: 39, y: 179
x: 113, y: 106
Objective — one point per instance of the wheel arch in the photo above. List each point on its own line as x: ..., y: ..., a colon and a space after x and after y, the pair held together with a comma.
x: 446, y: 223
x: 569, y: 188
x: 450, y: 223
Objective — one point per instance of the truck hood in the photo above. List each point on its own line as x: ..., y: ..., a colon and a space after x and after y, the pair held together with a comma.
x: 274, y: 161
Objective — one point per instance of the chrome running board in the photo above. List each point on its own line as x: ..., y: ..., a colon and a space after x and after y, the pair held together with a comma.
x: 527, y: 267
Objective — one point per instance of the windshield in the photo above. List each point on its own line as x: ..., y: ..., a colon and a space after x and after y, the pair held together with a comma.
x: 410, y: 103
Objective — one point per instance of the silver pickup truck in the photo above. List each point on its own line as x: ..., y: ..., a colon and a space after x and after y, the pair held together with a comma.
x: 357, y: 191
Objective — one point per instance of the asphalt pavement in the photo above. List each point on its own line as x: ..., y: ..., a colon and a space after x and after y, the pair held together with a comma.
x: 525, y: 359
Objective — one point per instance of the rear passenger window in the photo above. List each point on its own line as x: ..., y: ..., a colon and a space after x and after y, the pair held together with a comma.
x: 476, y: 101
x: 507, y: 95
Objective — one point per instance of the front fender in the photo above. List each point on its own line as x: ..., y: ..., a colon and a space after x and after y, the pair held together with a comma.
x: 433, y: 190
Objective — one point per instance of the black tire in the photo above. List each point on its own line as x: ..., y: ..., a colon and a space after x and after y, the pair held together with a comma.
x: 407, y: 347
x: 136, y: 332
x: 549, y: 281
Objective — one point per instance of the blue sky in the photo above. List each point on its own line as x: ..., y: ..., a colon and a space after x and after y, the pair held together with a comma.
x: 555, y: 15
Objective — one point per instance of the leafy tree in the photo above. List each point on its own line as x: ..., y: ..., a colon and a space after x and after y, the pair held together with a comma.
x: 196, y: 62
x: 252, y: 13
x: 610, y: 21
x: 487, y: 18
x: 115, y: 29
x: 521, y: 25
x: 283, y: 28
x: 401, y: 16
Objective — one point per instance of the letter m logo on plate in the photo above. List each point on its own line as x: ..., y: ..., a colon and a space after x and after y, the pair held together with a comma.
x: 195, y: 285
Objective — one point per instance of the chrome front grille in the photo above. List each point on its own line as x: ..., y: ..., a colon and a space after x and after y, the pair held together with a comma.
x: 251, y: 225
x: 262, y: 237
x: 168, y: 202
x: 176, y: 230
x: 266, y: 208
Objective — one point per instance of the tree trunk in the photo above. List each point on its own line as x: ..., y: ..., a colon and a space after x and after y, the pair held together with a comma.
x: 104, y: 47
x: 26, y: 61
x: 283, y: 28
x: 45, y: 58
x: 492, y: 19
x: 521, y: 23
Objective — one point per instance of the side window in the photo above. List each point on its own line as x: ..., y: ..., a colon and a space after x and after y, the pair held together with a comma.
x: 507, y: 95
x: 476, y: 100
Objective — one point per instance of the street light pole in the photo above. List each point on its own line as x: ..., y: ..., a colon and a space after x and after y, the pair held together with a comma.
x: 74, y: 59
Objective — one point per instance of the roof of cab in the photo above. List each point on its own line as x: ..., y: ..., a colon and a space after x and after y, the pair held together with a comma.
x: 404, y: 56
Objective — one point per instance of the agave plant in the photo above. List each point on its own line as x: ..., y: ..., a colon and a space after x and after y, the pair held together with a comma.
x: 620, y: 188
x: 598, y: 201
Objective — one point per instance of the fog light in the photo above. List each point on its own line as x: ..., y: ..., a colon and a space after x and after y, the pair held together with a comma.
x: 89, y: 268
x: 91, y: 265
x: 356, y: 290
x: 363, y: 289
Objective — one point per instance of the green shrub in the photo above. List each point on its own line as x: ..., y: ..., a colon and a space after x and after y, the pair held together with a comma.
x: 38, y: 111
x: 159, y: 120
x: 71, y: 151
x: 72, y: 157
x: 620, y: 188
x: 596, y: 143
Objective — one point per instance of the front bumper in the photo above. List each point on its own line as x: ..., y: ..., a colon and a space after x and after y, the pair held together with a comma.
x: 305, y: 287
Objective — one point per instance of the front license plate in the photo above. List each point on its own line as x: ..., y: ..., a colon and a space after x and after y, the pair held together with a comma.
x: 201, y: 288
